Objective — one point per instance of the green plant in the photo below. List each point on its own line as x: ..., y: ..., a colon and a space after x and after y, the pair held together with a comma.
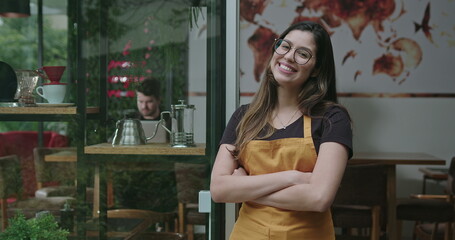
x: 43, y: 227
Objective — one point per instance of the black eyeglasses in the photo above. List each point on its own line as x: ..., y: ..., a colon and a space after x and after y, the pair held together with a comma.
x: 301, y: 55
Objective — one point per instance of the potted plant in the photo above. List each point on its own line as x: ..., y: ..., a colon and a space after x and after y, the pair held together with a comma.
x: 43, y: 227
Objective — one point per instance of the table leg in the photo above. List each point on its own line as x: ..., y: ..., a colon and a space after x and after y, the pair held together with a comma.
x: 110, y: 190
x: 391, y: 200
x: 96, y: 193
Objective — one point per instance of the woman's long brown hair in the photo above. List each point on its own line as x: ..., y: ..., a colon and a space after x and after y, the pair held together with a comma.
x: 316, y: 95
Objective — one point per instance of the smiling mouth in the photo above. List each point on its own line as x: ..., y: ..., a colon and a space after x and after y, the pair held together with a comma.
x: 286, y: 68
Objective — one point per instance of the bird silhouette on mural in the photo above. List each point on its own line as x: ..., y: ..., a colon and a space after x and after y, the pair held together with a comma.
x: 424, y: 24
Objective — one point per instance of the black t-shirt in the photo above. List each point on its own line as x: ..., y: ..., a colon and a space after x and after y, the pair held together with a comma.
x: 334, y: 126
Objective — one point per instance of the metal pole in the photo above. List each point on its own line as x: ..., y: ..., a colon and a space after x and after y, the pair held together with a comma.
x: 40, y: 62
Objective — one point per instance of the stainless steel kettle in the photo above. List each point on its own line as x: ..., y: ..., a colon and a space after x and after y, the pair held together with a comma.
x: 129, y: 131
x: 181, y: 131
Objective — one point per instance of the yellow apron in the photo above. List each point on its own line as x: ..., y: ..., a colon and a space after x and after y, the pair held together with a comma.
x: 258, y: 222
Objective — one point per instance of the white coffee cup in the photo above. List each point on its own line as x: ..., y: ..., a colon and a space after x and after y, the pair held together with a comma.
x: 53, y: 93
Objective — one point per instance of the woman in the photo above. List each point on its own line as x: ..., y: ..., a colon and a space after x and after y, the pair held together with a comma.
x: 284, y: 154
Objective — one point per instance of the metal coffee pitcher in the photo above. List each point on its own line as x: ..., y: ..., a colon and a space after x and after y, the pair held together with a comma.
x: 182, y: 117
x: 129, y: 131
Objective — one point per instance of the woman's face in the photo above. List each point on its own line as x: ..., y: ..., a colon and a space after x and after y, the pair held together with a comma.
x: 287, y: 72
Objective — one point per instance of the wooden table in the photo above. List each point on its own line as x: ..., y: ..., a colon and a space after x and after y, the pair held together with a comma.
x: 45, y: 110
x: 391, y: 159
x: 147, y: 149
x: 63, y: 156
x: 107, y: 148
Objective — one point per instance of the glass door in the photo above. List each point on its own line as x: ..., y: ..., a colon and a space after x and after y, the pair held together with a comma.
x: 177, y: 44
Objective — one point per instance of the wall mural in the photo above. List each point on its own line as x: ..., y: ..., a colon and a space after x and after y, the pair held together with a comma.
x: 387, y: 48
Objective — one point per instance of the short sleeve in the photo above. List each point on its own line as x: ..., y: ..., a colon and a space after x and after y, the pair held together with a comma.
x: 337, y: 128
x: 230, y: 135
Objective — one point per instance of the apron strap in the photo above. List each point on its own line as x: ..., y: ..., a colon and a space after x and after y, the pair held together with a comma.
x: 306, y: 126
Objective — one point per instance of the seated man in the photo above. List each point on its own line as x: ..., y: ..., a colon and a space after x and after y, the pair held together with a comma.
x: 148, y: 100
x: 150, y: 190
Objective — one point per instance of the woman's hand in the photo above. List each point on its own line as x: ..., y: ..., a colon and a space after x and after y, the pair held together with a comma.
x: 239, y: 172
x: 320, y: 190
x: 300, y: 177
x: 231, y: 183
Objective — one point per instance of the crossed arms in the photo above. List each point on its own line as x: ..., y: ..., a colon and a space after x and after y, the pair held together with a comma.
x: 292, y: 189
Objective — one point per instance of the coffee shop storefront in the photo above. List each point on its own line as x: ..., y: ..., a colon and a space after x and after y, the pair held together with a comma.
x: 208, y: 58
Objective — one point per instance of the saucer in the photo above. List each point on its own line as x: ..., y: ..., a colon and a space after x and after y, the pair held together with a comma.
x: 11, y: 104
x: 54, y: 104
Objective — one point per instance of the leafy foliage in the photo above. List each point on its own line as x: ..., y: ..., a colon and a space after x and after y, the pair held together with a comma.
x: 18, y: 36
x: 151, y: 190
x: 42, y: 228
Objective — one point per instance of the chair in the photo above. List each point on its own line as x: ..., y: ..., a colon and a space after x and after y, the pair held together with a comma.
x: 133, y: 223
x: 429, y: 211
x: 54, y: 178
x: 57, y: 177
x: 435, y: 174
x: 22, y: 143
x: 13, y: 199
x: 190, y: 179
x: 359, y: 207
